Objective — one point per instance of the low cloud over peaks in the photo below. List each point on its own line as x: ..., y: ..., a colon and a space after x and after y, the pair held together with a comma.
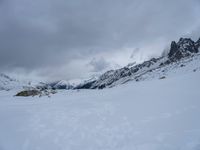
x: 46, y: 35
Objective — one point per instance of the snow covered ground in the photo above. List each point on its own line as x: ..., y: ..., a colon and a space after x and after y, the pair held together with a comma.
x: 149, y: 115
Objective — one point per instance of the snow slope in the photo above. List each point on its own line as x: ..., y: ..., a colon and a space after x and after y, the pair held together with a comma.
x: 149, y: 115
x: 8, y: 83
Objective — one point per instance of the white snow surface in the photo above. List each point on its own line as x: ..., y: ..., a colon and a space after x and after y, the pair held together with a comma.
x: 148, y: 115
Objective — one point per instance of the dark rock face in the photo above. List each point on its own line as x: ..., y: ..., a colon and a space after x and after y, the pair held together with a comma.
x: 197, y: 44
x: 87, y: 85
x: 185, y: 47
x: 27, y: 93
x: 173, y: 49
x: 36, y: 92
x: 186, y: 44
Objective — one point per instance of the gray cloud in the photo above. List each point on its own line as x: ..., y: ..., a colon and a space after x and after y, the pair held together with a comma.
x: 44, y: 35
x: 99, y: 64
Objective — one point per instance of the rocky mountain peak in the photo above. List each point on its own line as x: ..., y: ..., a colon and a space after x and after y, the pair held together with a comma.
x: 198, y: 43
x: 173, y: 49
x: 185, y: 47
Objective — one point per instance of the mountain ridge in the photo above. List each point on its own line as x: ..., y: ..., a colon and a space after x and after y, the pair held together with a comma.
x: 180, y: 50
x: 180, y: 53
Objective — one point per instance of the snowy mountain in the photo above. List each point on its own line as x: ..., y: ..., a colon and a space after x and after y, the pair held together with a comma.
x: 8, y: 83
x: 182, y: 53
x: 61, y: 84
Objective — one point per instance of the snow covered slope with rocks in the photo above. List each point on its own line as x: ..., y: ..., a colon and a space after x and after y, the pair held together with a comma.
x: 8, y: 83
x: 61, y: 84
x: 149, y: 115
x: 180, y: 54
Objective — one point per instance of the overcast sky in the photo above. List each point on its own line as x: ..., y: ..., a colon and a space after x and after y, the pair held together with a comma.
x: 66, y: 39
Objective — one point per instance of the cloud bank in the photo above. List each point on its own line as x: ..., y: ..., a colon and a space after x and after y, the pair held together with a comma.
x: 58, y: 39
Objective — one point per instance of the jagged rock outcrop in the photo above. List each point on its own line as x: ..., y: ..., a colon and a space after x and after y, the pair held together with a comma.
x: 27, y: 93
x: 185, y: 47
x: 173, y: 49
x: 197, y: 44
x: 36, y: 92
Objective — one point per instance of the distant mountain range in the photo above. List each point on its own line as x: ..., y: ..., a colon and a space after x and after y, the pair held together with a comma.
x: 182, y: 53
